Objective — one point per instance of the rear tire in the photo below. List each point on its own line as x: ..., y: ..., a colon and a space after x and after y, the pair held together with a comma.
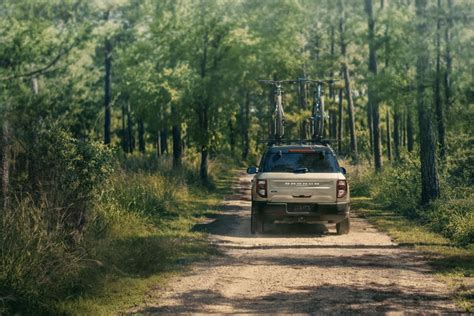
x: 343, y: 227
x: 256, y: 221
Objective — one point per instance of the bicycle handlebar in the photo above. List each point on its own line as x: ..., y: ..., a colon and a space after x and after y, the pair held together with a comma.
x: 327, y: 81
x: 279, y: 82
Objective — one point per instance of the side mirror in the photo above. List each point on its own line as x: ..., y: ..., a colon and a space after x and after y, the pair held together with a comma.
x: 343, y: 170
x: 252, y: 170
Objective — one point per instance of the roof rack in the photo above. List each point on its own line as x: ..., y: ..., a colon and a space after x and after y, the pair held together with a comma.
x: 274, y: 142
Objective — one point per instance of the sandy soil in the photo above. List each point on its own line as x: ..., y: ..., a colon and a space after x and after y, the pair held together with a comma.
x: 300, y: 269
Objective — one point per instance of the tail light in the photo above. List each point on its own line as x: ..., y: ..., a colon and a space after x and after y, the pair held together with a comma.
x: 341, y: 188
x: 262, y: 188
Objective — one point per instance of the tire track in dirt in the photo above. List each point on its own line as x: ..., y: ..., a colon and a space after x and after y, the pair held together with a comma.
x: 301, y: 269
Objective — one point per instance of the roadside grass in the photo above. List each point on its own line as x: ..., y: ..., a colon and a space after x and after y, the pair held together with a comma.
x: 145, y: 235
x: 453, y: 264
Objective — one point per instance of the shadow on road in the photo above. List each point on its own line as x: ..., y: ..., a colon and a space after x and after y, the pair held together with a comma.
x: 325, y: 299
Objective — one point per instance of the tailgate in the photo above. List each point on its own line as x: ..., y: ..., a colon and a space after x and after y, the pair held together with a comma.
x: 311, y: 188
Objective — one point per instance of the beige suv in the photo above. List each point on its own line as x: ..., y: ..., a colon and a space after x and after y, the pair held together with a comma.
x: 299, y: 184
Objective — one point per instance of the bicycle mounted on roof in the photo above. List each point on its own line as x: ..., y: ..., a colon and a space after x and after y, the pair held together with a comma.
x: 317, y: 111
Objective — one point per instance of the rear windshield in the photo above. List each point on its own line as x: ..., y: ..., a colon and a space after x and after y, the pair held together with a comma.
x: 317, y: 161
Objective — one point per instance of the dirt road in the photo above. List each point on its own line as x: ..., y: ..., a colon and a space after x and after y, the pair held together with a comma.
x: 298, y: 269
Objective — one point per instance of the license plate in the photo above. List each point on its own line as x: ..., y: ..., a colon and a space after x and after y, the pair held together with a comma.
x: 301, y: 208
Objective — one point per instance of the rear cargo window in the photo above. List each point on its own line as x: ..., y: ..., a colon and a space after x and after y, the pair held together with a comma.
x: 317, y: 161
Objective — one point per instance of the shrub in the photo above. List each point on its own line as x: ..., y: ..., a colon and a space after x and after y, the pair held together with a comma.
x: 398, y: 187
x: 359, y: 179
x: 41, y: 254
x: 37, y: 266
x: 63, y: 175
x: 454, y: 218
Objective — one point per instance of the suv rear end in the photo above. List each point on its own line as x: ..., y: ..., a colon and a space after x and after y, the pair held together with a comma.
x: 299, y: 184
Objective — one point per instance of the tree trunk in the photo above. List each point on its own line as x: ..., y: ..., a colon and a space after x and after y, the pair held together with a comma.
x: 410, y: 131
x: 203, y: 172
x: 141, y: 136
x: 158, y: 144
x: 176, y: 130
x: 164, y: 140
x: 403, y: 129
x: 340, y: 125
x: 203, y: 103
x: 389, y: 138
x: 437, y: 91
x: 130, y: 138
x: 333, y: 56
x: 107, y: 88
x: 245, y: 127
x: 5, y: 155
x: 231, y: 136
x: 333, y: 120
x: 448, y: 57
x: 371, y: 130
x: 373, y: 99
x: 124, y: 130
x: 396, y: 133
x: 350, y: 109
x: 429, y: 173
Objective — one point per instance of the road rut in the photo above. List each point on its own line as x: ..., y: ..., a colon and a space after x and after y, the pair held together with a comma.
x: 301, y: 269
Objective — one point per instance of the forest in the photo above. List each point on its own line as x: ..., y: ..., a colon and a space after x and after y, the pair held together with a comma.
x: 124, y: 121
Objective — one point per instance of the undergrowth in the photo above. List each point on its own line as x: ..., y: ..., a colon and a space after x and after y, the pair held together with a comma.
x: 397, y: 188
x: 443, y: 230
x: 136, y: 229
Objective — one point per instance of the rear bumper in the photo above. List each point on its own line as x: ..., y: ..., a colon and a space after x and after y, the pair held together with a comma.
x: 320, y: 213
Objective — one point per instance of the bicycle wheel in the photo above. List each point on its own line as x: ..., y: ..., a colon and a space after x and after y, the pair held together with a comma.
x: 321, y: 120
x: 279, y: 124
x: 317, y: 121
x: 279, y: 118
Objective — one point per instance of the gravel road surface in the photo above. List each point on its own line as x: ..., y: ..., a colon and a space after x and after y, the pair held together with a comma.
x: 301, y: 269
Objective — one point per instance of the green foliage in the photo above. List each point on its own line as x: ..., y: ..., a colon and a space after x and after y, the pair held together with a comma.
x: 460, y: 160
x: 454, y: 218
x: 38, y: 267
x: 143, y: 230
x: 192, y: 65
x: 397, y: 188
x: 64, y: 175
x: 137, y: 229
x: 41, y: 231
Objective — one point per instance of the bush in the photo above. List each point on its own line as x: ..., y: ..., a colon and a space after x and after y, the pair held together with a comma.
x: 41, y: 230
x: 62, y: 176
x: 398, y: 187
x: 37, y: 266
x: 359, y: 179
x: 453, y: 217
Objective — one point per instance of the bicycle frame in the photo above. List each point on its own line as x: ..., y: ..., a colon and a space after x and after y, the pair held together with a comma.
x: 317, y: 114
x: 278, y: 114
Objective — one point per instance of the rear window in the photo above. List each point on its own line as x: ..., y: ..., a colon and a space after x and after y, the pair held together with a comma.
x: 315, y: 161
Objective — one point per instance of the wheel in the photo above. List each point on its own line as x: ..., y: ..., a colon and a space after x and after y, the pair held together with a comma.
x: 256, y: 221
x: 279, y: 125
x: 343, y: 227
x: 318, y: 122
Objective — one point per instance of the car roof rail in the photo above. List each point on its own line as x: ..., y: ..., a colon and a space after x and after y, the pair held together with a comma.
x: 274, y: 142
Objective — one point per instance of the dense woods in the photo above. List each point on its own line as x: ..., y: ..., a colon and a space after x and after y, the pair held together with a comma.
x: 88, y: 86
